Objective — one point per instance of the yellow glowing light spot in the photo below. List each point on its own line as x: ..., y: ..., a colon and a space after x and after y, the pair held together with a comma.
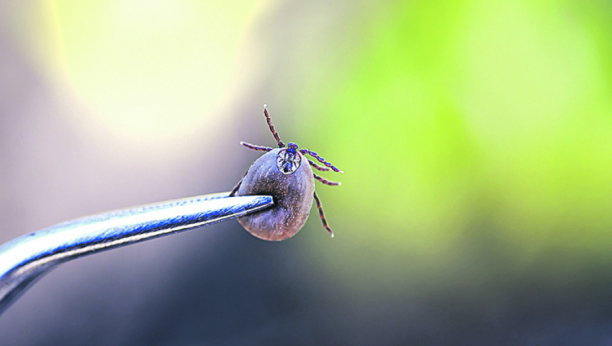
x: 151, y: 68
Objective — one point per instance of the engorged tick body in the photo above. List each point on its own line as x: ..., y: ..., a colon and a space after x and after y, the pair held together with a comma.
x: 281, y: 174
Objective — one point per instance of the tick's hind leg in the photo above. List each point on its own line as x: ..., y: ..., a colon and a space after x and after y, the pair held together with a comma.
x: 235, y: 189
x: 325, y: 181
x: 322, y: 216
x: 255, y: 147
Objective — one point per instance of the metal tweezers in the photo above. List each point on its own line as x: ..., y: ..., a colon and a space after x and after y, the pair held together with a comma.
x: 25, y: 259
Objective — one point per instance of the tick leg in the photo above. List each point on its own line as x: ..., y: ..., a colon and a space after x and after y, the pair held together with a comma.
x: 325, y: 181
x: 322, y: 160
x: 320, y: 168
x: 280, y: 143
x: 235, y: 189
x: 255, y: 147
x: 322, y: 216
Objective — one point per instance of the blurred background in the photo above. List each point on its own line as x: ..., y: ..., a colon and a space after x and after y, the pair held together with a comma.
x: 476, y: 137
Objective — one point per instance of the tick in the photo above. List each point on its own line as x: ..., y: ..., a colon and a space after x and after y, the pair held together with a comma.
x: 282, y: 173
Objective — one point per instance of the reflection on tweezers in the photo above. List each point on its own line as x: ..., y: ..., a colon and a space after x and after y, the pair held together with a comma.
x: 25, y: 259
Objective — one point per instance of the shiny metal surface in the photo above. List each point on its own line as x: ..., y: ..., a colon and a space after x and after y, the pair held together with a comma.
x: 25, y: 259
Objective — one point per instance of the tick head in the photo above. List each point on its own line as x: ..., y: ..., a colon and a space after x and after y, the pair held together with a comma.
x: 292, y: 148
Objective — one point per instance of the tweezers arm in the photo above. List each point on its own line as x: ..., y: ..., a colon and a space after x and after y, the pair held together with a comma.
x: 25, y: 259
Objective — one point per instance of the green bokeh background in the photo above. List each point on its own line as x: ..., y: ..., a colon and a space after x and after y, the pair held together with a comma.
x: 477, y: 140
